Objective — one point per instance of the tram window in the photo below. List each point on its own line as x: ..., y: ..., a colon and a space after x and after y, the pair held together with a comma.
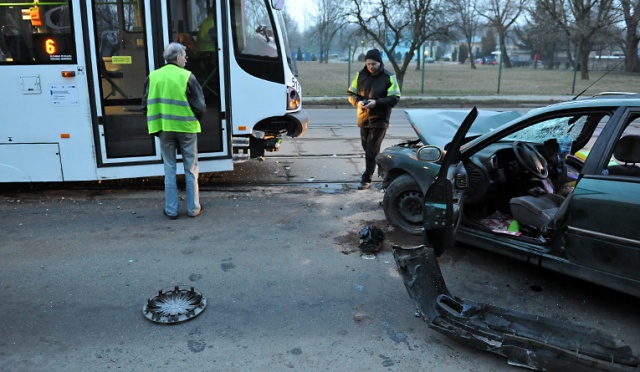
x: 31, y: 34
x: 133, y: 16
x: 108, y: 24
x: 254, y: 34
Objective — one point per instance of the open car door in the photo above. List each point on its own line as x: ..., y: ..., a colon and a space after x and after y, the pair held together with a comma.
x: 443, y: 200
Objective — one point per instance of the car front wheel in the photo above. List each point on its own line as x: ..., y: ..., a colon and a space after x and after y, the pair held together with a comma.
x: 402, y: 204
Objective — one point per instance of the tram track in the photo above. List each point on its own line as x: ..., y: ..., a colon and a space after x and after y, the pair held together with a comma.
x: 13, y: 190
x: 261, y: 170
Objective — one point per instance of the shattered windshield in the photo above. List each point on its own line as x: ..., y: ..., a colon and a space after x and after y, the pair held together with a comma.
x: 552, y: 128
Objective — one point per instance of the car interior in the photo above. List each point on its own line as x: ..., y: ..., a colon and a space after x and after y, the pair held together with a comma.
x: 526, y: 177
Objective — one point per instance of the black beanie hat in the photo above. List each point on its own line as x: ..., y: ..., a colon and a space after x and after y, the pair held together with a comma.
x: 375, y: 55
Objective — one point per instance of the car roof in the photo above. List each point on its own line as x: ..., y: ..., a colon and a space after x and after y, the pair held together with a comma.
x: 438, y: 126
x: 602, y: 100
x: 606, y: 99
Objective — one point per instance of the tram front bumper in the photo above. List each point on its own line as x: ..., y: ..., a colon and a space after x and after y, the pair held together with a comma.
x: 300, y: 123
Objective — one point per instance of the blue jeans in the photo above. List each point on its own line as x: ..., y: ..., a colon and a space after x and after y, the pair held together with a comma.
x: 187, y: 143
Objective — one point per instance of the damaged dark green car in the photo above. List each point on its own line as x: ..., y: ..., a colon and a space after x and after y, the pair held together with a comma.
x: 556, y: 188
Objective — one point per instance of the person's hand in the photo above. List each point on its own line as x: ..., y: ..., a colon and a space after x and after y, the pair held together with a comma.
x: 370, y: 104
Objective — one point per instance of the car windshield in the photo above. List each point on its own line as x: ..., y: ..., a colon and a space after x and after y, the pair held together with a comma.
x: 552, y: 128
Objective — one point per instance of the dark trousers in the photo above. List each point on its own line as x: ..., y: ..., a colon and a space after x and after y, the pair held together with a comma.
x: 371, y: 139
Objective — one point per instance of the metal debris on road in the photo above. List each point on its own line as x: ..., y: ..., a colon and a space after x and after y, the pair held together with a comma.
x: 371, y: 238
x: 526, y: 340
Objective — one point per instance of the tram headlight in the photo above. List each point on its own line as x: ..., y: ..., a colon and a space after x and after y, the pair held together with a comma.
x: 293, y: 99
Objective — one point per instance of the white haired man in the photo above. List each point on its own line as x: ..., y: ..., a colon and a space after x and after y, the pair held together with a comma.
x: 174, y: 105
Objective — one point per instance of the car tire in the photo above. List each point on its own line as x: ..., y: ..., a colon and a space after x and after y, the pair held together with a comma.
x: 402, y: 204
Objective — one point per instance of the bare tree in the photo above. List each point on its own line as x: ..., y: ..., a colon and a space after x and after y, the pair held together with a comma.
x: 631, y: 13
x: 582, y: 20
x: 501, y: 15
x: 488, y: 41
x: 391, y: 22
x: 541, y: 35
x: 468, y: 22
x: 329, y: 20
x: 352, y: 38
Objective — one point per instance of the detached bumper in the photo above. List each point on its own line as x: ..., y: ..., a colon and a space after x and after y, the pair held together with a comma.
x: 524, y: 339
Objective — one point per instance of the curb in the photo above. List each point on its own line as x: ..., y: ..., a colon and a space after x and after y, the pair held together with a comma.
x: 449, y: 101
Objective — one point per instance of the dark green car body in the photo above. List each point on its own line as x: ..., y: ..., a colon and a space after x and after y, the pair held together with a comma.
x: 591, y: 234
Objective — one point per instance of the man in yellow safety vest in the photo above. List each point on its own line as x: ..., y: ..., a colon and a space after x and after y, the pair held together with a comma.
x: 174, y: 105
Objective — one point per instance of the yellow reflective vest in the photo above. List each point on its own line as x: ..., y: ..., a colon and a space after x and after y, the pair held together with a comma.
x: 381, y: 87
x: 168, y: 107
x: 205, y: 42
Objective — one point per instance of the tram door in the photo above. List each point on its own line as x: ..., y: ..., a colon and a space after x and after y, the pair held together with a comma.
x: 123, y: 63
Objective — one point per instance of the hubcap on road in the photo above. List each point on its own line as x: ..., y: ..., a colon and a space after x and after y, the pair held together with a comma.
x: 175, y: 305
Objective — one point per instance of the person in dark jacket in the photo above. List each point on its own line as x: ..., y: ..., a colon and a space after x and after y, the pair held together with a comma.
x: 374, y: 92
x: 174, y: 105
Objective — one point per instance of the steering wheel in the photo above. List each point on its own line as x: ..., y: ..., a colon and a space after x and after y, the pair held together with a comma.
x: 531, y: 159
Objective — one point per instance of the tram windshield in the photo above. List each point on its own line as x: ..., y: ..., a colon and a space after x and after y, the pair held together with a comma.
x: 36, y: 32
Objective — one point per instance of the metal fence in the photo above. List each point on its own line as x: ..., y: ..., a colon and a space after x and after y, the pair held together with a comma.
x: 455, y: 79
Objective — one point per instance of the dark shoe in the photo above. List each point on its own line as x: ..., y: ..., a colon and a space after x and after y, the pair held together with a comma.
x: 171, y: 217
x: 197, y: 213
x: 364, y: 185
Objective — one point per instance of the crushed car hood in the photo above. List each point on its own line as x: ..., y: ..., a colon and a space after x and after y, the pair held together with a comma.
x: 437, y: 127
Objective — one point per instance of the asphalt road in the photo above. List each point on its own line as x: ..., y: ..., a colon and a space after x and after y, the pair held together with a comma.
x: 330, y: 152
x: 276, y: 255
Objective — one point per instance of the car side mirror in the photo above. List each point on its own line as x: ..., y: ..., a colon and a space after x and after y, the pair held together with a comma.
x: 430, y: 153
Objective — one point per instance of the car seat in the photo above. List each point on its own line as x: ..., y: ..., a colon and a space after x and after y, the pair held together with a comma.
x: 539, y: 212
x: 627, y: 151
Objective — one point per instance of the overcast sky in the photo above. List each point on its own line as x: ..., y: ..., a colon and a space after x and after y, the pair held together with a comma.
x: 300, y: 10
